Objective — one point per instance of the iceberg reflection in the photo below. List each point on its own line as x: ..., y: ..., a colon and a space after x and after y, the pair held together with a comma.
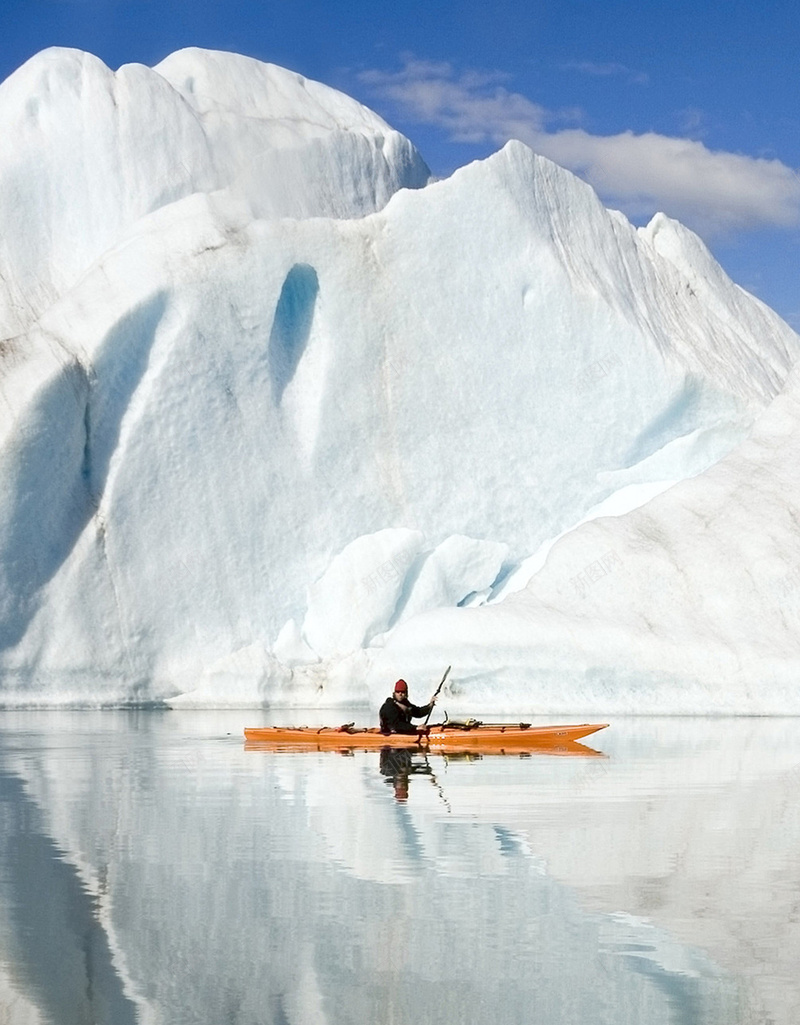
x: 53, y: 934
x: 267, y: 887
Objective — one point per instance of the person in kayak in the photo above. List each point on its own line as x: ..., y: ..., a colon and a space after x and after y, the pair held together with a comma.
x: 397, y: 711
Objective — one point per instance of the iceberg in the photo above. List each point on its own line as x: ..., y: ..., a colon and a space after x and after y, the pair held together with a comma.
x: 96, y: 150
x: 689, y: 604
x: 280, y: 417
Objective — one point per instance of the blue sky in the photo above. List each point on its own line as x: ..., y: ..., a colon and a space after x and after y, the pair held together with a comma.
x: 691, y: 108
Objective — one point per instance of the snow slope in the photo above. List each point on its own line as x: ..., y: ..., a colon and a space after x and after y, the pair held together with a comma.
x: 244, y: 455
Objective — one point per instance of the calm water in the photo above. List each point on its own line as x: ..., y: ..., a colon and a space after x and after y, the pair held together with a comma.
x: 153, y: 870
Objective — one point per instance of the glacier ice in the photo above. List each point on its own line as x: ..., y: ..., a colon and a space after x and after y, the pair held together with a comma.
x: 690, y: 603
x: 95, y: 150
x: 369, y: 573
x: 279, y: 420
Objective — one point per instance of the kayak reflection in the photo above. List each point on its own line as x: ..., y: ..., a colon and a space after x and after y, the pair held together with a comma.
x: 464, y: 748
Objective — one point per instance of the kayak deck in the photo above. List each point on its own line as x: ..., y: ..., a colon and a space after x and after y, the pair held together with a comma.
x: 438, y: 737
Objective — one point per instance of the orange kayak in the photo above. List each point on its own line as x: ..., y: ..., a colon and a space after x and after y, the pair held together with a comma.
x: 440, y: 737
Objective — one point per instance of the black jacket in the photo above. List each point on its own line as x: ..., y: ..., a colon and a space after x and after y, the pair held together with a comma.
x: 396, y: 716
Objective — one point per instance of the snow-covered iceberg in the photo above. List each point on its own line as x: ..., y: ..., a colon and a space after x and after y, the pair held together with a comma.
x: 95, y: 150
x: 269, y: 435
x: 688, y: 604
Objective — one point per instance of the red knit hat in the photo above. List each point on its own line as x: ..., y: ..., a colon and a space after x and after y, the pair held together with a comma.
x: 401, y: 685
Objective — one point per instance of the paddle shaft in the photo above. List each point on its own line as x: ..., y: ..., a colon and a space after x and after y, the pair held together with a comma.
x: 436, y: 695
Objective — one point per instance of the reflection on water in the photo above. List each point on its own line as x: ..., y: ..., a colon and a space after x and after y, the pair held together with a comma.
x: 397, y: 764
x: 61, y: 952
x: 153, y: 870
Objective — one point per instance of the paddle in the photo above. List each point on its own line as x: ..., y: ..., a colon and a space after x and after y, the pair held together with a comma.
x: 432, y: 702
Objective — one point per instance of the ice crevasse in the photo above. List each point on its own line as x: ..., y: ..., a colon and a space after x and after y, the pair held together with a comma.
x: 283, y: 419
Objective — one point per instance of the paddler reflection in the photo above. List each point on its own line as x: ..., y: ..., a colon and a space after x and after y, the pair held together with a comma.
x: 397, y: 764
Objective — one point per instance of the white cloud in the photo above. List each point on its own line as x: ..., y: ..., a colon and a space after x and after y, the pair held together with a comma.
x: 606, y: 70
x: 692, y: 121
x: 711, y: 191
x: 467, y: 107
x: 716, y: 191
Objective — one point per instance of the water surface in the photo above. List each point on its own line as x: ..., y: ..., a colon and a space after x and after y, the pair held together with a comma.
x: 153, y: 870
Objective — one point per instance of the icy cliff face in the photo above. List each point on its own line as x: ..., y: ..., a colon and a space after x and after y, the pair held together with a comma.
x: 244, y: 456
x: 94, y: 150
x: 689, y: 604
